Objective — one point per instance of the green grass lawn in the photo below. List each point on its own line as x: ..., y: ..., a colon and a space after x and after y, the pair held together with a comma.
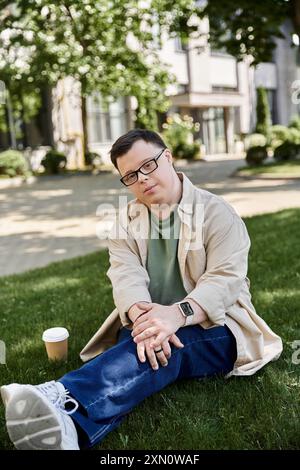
x: 258, y: 412
x: 285, y: 169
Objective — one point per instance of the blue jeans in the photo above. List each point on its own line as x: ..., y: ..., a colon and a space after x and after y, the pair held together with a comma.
x: 109, y: 386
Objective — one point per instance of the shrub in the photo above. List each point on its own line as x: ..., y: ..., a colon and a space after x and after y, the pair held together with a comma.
x: 295, y: 122
x: 263, y: 117
x: 278, y: 135
x: 294, y: 136
x: 54, y: 162
x: 188, y: 151
x: 286, y: 151
x: 178, y: 135
x: 13, y: 163
x: 92, y: 159
x: 256, y: 155
x: 255, y: 140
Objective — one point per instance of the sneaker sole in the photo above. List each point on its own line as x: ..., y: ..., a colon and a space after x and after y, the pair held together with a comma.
x: 31, y: 420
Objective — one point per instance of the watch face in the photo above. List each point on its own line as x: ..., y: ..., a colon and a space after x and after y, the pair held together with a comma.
x: 187, y: 309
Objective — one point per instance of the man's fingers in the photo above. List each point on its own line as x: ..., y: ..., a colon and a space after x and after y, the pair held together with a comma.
x: 161, y: 337
x: 141, y: 319
x: 158, y: 341
x: 176, y: 341
x: 141, y: 351
x: 167, y: 349
x: 145, y: 334
x: 163, y: 356
x: 139, y: 327
x: 144, y: 306
x: 151, y: 356
x: 145, y: 351
x: 160, y: 357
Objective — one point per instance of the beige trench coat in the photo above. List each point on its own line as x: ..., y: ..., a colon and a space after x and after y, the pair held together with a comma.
x: 213, y: 259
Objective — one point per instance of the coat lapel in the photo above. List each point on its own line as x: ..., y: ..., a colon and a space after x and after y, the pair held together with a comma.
x: 139, y: 227
x: 192, y: 218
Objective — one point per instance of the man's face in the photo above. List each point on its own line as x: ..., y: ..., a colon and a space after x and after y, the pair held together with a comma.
x: 155, y: 187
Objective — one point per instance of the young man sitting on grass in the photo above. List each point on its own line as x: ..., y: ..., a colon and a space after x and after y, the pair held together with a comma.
x: 178, y: 268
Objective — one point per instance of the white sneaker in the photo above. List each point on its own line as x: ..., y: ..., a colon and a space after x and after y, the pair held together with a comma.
x: 36, y: 418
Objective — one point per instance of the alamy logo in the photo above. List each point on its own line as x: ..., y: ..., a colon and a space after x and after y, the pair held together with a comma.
x: 2, y: 352
x: 295, y: 94
x: 114, y: 221
x: 296, y: 354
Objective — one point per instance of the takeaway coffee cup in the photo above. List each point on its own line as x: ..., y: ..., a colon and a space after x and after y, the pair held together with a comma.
x: 56, y: 342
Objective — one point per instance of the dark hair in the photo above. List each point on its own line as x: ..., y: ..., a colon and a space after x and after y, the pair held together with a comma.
x: 124, y: 143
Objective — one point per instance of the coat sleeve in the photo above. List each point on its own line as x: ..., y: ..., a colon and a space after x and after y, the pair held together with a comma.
x: 128, y: 277
x: 227, y: 244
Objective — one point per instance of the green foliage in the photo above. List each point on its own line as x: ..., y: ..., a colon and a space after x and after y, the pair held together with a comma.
x: 279, y: 169
x: 294, y: 136
x: 286, y: 151
x: 3, y: 119
x: 188, y: 151
x: 247, y: 28
x: 295, y: 122
x: 256, y: 155
x: 109, y: 47
x: 89, y: 40
x: 92, y: 158
x: 13, y: 163
x: 178, y: 135
x: 279, y: 134
x: 263, y: 117
x: 25, y: 103
x: 255, y: 140
x: 54, y: 162
x: 284, y: 140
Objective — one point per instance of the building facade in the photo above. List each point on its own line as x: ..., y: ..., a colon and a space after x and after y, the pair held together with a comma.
x: 216, y: 90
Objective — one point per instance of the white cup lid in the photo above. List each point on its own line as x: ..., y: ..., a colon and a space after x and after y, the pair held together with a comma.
x: 52, y: 335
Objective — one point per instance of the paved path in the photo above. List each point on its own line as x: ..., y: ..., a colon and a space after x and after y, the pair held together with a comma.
x: 57, y: 218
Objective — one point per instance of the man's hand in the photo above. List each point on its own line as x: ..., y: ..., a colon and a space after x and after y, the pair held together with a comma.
x: 163, y: 356
x: 136, y: 310
x: 161, y: 321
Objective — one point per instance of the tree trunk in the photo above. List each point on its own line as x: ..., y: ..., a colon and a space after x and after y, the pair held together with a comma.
x: 46, y: 111
x: 84, y: 124
x: 11, y: 122
x: 23, y: 126
x: 295, y: 15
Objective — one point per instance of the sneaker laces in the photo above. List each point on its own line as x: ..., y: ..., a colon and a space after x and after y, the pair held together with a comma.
x: 59, y: 396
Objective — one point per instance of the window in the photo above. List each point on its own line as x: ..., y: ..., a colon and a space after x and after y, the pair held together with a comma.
x: 179, y: 45
x: 105, y: 121
x: 182, y: 88
x: 212, y: 129
x: 224, y: 89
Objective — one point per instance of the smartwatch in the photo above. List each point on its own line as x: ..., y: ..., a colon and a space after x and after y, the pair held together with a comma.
x: 187, y: 311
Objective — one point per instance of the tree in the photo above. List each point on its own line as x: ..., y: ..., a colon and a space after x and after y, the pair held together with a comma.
x: 248, y: 27
x: 108, y: 46
x: 263, y: 116
x: 111, y: 46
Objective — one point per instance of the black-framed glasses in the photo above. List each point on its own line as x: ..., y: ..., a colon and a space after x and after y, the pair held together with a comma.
x: 145, y: 169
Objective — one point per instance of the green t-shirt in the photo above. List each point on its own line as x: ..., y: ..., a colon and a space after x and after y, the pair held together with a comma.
x: 166, y: 285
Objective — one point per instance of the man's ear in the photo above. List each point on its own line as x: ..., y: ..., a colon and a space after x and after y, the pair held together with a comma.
x: 169, y: 156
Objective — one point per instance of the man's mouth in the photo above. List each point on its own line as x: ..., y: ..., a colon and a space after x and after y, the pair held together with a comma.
x: 150, y: 187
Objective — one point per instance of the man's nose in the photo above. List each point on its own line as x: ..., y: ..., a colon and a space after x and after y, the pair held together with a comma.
x: 142, y: 177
